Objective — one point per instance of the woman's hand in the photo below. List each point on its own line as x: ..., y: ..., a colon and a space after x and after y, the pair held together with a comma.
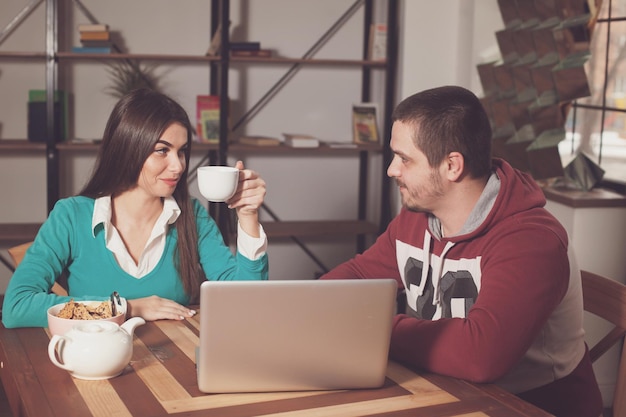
x: 248, y: 198
x: 157, y: 308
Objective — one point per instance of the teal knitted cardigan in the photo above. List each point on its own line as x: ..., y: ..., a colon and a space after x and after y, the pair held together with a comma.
x: 66, y: 241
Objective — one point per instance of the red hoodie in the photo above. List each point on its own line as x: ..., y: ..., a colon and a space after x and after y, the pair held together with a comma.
x: 498, y: 303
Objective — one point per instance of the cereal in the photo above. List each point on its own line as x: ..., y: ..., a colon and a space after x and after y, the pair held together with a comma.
x: 79, y: 311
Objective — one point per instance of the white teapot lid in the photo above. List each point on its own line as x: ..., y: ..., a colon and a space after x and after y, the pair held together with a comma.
x: 96, y: 327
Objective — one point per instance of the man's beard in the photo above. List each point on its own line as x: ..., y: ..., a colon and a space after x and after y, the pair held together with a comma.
x: 435, y: 190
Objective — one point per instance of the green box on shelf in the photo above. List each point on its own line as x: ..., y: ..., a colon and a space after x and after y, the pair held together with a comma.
x: 37, y: 110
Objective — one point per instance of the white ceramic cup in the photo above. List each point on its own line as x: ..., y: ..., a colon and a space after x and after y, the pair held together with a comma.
x: 217, y: 183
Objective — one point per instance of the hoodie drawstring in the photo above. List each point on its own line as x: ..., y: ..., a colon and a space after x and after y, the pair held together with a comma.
x: 426, y: 265
x: 437, y: 279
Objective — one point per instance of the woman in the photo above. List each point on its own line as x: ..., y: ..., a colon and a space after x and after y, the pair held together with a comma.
x: 134, y: 228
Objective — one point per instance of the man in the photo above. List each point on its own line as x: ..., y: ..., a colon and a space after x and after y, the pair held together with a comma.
x: 490, y: 293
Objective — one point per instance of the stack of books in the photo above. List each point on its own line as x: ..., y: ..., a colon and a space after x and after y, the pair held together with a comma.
x: 94, y: 39
x: 301, y: 140
x: 249, y: 49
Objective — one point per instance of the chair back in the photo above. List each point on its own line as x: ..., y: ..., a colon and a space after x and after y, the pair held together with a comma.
x: 17, y: 254
x: 606, y: 298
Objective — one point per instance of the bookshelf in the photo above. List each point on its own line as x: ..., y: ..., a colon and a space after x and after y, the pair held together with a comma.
x: 53, y: 59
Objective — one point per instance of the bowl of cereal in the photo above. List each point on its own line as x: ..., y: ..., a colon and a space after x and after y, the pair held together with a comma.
x: 63, y: 317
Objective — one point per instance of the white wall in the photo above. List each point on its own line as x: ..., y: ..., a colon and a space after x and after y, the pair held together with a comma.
x: 317, y: 100
x: 443, y: 41
x: 597, y: 236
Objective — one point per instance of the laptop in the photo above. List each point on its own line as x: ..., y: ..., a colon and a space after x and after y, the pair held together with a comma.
x: 296, y: 335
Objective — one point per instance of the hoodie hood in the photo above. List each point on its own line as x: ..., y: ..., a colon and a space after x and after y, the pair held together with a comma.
x: 507, y: 193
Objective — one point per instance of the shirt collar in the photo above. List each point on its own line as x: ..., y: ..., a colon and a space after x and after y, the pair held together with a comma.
x: 102, y: 213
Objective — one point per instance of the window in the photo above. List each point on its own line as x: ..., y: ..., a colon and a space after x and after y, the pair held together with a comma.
x: 596, y: 125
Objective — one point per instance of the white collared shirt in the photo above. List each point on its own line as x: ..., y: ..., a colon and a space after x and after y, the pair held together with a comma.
x: 250, y: 247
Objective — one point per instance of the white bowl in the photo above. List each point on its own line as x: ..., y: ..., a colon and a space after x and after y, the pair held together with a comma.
x: 60, y: 326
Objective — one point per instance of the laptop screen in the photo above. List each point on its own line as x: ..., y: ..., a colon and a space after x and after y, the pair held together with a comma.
x: 294, y: 335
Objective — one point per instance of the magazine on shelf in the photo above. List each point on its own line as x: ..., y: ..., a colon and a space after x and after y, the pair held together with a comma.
x: 208, y: 118
x: 364, y: 123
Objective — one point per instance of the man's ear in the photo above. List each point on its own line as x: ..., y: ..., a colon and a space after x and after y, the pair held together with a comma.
x: 455, y: 164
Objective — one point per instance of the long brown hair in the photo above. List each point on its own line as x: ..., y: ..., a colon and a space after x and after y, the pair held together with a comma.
x: 135, y: 125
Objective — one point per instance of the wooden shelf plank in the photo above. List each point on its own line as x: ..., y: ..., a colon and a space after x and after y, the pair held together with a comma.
x: 318, y: 228
x: 92, y: 146
x: 316, y: 61
x: 78, y: 146
x: 16, y: 233
x: 20, y: 55
x: 21, y: 145
x: 71, y: 56
x: 596, y: 197
x: 322, y: 149
x: 203, y: 58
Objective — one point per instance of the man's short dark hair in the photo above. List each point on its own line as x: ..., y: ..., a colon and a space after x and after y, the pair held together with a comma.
x: 449, y: 119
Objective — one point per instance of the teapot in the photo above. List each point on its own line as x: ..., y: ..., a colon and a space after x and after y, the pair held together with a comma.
x: 94, y: 349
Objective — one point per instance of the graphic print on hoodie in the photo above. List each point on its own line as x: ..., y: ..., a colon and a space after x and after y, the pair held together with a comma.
x: 437, y: 287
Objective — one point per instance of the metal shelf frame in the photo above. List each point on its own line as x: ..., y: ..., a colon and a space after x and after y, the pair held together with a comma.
x: 218, y: 85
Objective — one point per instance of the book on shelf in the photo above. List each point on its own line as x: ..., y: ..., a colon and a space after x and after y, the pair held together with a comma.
x: 91, y: 49
x: 340, y: 145
x: 37, y: 115
x: 93, y: 27
x: 84, y: 141
x: 261, y: 53
x: 378, y: 42
x: 208, y: 118
x: 300, y: 140
x: 103, y: 35
x: 364, y: 123
x: 97, y: 44
x: 259, y: 140
x: 216, y: 42
x: 245, y: 46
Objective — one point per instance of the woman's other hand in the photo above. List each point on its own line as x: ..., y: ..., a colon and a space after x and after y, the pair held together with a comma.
x: 157, y: 308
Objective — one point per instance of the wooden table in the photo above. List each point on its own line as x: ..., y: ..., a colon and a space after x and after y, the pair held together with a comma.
x: 161, y: 381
